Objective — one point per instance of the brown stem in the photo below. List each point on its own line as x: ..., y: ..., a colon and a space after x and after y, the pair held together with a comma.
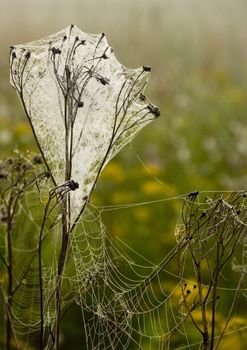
x: 41, y: 275
x: 60, y: 270
x: 214, y: 297
x: 10, y: 281
x: 243, y: 275
x: 65, y: 222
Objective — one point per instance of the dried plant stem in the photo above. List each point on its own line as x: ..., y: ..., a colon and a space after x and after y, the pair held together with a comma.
x: 65, y: 218
x: 214, y: 288
x: 41, y: 274
x: 202, y: 302
x: 241, y: 280
x: 61, y: 266
x: 10, y: 285
x: 11, y: 206
x: 7, y: 312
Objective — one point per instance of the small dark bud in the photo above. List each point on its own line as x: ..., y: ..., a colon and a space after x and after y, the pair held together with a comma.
x: 194, y: 286
x: 238, y: 211
x: 188, y: 291
x: 142, y: 97
x: 71, y: 26
x: 104, y: 81
x: 80, y: 104
x: 26, y: 166
x: 65, y: 37
x: 85, y: 198
x: 203, y: 214
x: 17, y: 166
x: 56, y: 51
x: 217, y: 297
x: 73, y: 185
x: 76, y: 38
x: 102, y: 34
x: 83, y: 42
x: 28, y: 54
x: 185, y: 284
x: 13, y: 55
x: 154, y: 110
x: 244, y: 195
x: 47, y: 175
x: 195, y: 193
x: 146, y: 68
x: 104, y: 56
x: 37, y: 160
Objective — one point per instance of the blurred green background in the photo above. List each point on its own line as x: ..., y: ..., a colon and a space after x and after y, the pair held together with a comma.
x: 198, y: 54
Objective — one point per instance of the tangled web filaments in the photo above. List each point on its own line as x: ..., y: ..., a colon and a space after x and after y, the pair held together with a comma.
x: 83, y: 105
x: 125, y: 304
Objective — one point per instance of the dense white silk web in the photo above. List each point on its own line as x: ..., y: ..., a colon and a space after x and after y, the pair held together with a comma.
x: 83, y: 105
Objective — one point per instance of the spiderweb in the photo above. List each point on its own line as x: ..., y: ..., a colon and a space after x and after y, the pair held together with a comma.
x: 83, y: 105
x: 127, y: 301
